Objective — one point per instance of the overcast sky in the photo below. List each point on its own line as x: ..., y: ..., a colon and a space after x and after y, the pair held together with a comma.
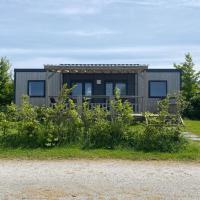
x: 154, y: 32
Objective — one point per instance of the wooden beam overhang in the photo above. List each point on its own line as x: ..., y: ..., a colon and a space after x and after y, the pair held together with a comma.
x: 97, y: 68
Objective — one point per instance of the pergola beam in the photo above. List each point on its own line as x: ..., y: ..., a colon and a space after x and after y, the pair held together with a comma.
x: 97, y: 68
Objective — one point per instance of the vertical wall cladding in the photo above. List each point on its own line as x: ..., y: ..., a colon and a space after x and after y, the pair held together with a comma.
x: 21, y: 84
x: 173, y: 84
x: 99, y: 89
x: 54, y: 83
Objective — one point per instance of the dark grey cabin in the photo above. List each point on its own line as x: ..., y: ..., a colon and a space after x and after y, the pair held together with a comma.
x: 141, y: 86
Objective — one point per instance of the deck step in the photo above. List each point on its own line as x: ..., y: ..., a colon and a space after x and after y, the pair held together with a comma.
x: 139, y: 117
x: 170, y: 119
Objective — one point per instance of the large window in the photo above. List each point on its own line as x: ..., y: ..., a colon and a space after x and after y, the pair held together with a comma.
x: 82, y: 88
x: 157, y: 89
x: 36, y: 88
x: 110, y: 86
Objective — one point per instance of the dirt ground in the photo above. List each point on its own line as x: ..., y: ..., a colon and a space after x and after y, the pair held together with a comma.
x: 98, y: 179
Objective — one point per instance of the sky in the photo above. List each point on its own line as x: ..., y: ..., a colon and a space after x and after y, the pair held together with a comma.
x: 154, y: 32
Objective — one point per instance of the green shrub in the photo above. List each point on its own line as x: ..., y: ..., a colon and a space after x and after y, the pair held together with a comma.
x: 73, y: 123
x: 28, y: 125
x: 106, y: 129
x: 61, y: 124
x: 47, y: 136
x: 98, y: 133
x: 87, y: 116
x: 121, y: 120
x: 161, y: 133
x: 193, y: 110
x: 157, y: 138
x: 8, y: 126
x: 4, y: 125
x: 22, y: 126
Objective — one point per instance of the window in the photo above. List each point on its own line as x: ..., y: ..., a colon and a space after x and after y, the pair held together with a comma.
x: 88, y: 89
x: 36, y: 88
x: 82, y: 88
x: 109, y: 89
x: 157, y: 89
x: 121, y: 87
x: 77, y: 90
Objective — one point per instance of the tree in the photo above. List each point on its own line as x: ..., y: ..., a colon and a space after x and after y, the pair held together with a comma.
x: 190, y: 78
x: 6, y: 83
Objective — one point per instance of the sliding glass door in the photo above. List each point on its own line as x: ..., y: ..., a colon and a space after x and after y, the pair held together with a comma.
x: 110, y: 87
x: 121, y: 87
x: 82, y: 88
x: 77, y: 90
x: 88, y: 89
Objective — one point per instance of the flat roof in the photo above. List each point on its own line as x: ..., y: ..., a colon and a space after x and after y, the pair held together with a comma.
x: 96, y: 68
x: 44, y: 70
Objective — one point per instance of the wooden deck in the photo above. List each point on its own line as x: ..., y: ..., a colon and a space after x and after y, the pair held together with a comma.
x: 136, y: 102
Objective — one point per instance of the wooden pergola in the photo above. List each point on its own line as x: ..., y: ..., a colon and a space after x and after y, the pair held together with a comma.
x: 96, y: 68
x: 103, y: 69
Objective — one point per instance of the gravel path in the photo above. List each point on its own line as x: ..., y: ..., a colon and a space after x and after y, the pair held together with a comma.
x: 98, y: 179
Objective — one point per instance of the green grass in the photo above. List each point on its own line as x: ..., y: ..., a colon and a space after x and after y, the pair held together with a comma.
x: 190, y: 153
x: 193, y: 126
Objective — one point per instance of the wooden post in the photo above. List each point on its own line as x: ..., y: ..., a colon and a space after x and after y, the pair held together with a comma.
x: 61, y: 81
x: 47, y: 88
x: 136, y: 100
x: 145, y: 90
x: 80, y: 104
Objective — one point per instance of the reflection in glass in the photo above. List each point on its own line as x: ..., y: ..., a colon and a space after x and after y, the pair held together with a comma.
x: 36, y: 88
x: 122, y: 88
x: 109, y: 89
x: 88, y: 89
x: 77, y: 90
x: 158, y: 89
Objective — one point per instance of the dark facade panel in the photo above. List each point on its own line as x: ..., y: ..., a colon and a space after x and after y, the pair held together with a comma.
x: 29, y: 70
x: 99, y: 89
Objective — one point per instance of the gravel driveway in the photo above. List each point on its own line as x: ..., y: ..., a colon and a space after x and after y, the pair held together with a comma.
x: 98, y: 179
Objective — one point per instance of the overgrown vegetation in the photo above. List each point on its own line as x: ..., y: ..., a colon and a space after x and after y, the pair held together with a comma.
x: 193, y: 108
x: 66, y: 124
x: 6, y: 84
x: 163, y: 131
x: 190, y: 87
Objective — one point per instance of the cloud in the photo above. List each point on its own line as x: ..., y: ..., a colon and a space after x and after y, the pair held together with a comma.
x: 58, y: 7
x: 106, y: 50
x: 141, y: 2
x: 38, y: 62
x: 90, y: 7
x: 191, y: 3
x: 156, y: 3
x: 72, y: 10
x: 75, y: 7
x: 156, y: 56
x: 87, y: 33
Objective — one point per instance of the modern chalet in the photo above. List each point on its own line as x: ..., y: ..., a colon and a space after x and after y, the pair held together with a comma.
x: 141, y: 86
